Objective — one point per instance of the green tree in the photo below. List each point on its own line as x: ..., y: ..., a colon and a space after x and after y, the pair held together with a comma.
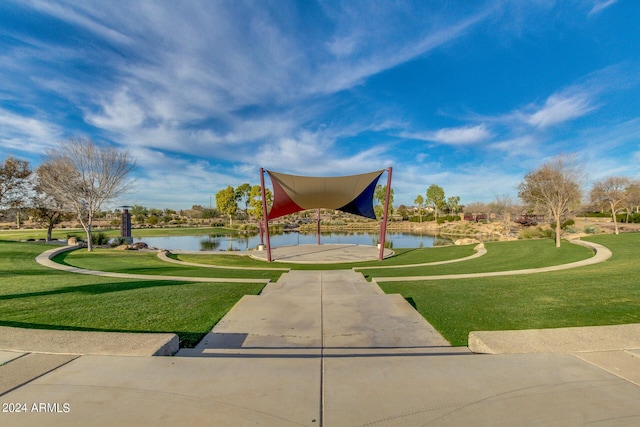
x: 435, y: 199
x: 402, y: 211
x: 379, y: 195
x: 208, y: 213
x: 453, y: 204
x: 255, y: 201
x: 419, y: 201
x: 140, y: 213
x: 243, y: 194
x: 226, y: 202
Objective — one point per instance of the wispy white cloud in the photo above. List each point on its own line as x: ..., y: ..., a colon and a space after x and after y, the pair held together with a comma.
x: 520, y: 146
x: 205, y: 92
x: 83, y: 19
x: 463, y: 135
x: 311, y: 153
x: 26, y: 134
x: 560, y: 108
x: 366, y: 51
x: 600, y: 5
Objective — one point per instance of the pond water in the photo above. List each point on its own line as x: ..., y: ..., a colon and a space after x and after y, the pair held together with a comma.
x: 242, y: 243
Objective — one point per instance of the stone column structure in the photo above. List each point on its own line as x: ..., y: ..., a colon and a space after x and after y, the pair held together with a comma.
x: 125, y: 225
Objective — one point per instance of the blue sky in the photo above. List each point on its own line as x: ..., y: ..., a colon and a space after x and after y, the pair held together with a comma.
x: 468, y: 95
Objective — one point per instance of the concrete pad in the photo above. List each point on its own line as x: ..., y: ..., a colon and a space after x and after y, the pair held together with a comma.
x: 317, y: 309
x: 323, y: 348
x: 502, y: 390
x: 322, y: 254
x: 375, y: 321
x: 7, y: 356
x: 278, y: 322
x: 83, y: 342
x: 346, y: 282
x: 24, y: 369
x: 557, y: 340
x: 170, y: 391
x: 625, y: 364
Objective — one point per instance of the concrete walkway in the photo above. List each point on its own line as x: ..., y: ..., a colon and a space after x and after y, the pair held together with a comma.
x: 322, y: 254
x: 321, y: 348
x: 317, y: 349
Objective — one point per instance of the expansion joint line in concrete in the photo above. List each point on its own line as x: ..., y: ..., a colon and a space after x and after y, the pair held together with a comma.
x: 322, y: 360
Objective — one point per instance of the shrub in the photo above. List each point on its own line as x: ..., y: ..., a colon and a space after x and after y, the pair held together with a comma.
x: 567, y: 223
x: 99, y: 239
x: 536, y: 233
x: 438, y: 241
x: 633, y: 218
x: 591, y: 229
x: 117, y: 241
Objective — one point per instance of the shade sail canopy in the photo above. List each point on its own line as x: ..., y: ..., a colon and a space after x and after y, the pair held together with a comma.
x: 352, y: 194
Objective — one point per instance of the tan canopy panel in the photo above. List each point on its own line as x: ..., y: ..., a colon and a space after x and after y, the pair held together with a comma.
x: 352, y: 194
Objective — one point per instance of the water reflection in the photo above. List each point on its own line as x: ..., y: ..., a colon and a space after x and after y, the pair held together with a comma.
x: 248, y: 242
x: 211, y: 243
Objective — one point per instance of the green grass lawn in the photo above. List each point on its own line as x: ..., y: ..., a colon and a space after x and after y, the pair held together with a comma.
x: 62, y: 234
x: 500, y: 256
x: 602, y: 294
x: 135, y: 262
x: 32, y: 296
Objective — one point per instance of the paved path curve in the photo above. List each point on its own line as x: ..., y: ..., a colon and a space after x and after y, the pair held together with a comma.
x: 480, y: 250
x: 602, y: 253
x: 45, y: 260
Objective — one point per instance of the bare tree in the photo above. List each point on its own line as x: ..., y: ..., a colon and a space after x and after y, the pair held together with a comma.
x: 612, y: 192
x: 633, y: 194
x: 14, y: 180
x: 505, y: 208
x: 476, y: 208
x: 83, y: 176
x: 556, y: 187
x: 46, y: 210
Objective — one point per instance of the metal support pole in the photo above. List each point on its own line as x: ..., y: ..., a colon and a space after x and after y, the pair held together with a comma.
x: 318, y: 225
x: 264, y: 214
x: 383, y: 224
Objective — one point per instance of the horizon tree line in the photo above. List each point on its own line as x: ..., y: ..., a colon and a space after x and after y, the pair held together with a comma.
x: 78, y: 177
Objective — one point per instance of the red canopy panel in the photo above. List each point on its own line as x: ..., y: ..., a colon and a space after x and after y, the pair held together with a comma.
x: 352, y: 194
